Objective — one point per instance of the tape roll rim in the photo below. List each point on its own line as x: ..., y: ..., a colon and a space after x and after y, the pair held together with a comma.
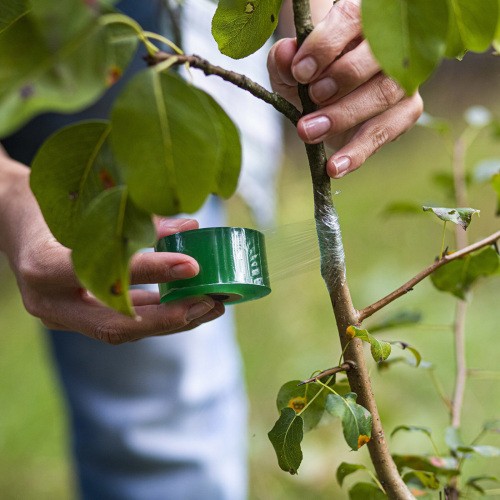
x: 248, y: 292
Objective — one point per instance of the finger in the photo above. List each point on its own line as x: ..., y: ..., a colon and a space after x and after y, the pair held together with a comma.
x: 104, y: 324
x: 215, y: 313
x: 344, y: 75
x: 327, y: 41
x: 160, y: 267
x: 279, y: 62
x: 141, y: 297
x: 166, y: 226
x: 367, y: 101
x: 373, y: 134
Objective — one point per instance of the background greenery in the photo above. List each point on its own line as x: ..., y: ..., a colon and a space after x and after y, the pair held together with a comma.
x: 291, y: 333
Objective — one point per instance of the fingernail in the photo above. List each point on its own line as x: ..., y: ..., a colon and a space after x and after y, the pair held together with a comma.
x: 341, y: 165
x: 182, y: 271
x: 304, y: 70
x: 323, y: 89
x: 314, y: 128
x: 198, y: 310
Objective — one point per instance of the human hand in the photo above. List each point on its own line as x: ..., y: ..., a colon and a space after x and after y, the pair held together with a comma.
x: 51, y: 291
x: 360, y: 108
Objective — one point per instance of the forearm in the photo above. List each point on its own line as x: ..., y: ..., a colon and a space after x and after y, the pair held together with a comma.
x: 16, y: 202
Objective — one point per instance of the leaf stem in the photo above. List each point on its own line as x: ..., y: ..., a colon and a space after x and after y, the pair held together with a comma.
x: 279, y: 103
x: 441, y: 253
x: 331, y: 371
x: 439, y: 389
x: 377, y: 482
x: 166, y: 41
x: 314, y: 397
x: 408, y: 286
x: 117, y: 18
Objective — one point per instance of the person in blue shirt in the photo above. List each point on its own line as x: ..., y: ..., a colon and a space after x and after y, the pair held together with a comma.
x: 165, y: 418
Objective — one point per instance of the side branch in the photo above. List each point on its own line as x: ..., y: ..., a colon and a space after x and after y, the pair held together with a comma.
x: 408, y: 286
x: 243, y: 82
x: 344, y: 367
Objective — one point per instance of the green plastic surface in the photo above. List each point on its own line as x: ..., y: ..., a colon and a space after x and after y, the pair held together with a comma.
x: 233, y: 265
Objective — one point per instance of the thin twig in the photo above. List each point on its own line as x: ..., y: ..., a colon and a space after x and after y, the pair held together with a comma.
x: 344, y: 367
x: 461, y: 240
x: 408, y: 286
x: 243, y: 82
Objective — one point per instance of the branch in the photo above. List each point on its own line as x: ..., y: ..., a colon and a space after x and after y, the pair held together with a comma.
x: 243, y: 82
x: 344, y: 367
x: 408, y: 286
x: 333, y: 272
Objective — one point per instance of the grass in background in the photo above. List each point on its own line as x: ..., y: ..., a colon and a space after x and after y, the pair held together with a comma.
x: 291, y: 333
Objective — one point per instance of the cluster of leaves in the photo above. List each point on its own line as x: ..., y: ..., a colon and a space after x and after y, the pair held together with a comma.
x: 418, y: 34
x: 167, y: 146
x: 302, y: 405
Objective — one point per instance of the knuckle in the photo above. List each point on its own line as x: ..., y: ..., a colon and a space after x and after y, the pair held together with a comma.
x: 142, y: 269
x: 349, y: 9
x: 389, y: 92
x: 351, y: 67
x: 32, y: 272
x: 109, y: 334
x: 379, y: 136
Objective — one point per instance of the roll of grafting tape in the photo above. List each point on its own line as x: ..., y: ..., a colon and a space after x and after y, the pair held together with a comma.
x: 233, y: 265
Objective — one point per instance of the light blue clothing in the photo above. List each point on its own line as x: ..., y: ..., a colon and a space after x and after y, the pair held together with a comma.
x: 165, y: 418
x: 159, y: 419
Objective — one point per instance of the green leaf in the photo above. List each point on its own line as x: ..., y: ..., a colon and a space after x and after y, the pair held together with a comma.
x: 229, y: 147
x: 291, y: 395
x: 402, y: 208
x: 411, y: 428
x: 452, y: 438
x: 425, y: 479
x: 356, y: 420
x: 112, y: 230
x: 64, y: 68
x: 175, y: 144
x: 380, y: 349
x: 396, y: 320
x: 472, y: 482
x: 472, y: 26
x: 408, y: 347
x: 460, y: 216
x: 492, y: 426
x: 444, y: 466
x: 70, y: 170
x: 11, y: 11
x: 483, y: 450
x: 408, y: 40
x: 366, y: 491
x: 241, y: 27
x: 286, y: 436
x: 459, y: 275
x: 345, y: 469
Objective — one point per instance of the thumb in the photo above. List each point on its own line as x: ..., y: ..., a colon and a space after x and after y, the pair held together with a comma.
x: 168, y: 225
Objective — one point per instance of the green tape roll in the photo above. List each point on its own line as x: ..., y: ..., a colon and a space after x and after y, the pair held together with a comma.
x: 233, y: 265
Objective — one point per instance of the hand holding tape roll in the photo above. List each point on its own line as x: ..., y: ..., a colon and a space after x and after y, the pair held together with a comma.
x: 232, y: 260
